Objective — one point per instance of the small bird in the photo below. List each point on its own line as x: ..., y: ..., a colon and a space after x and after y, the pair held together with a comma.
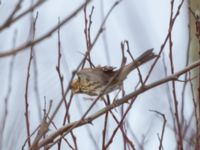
x: 92, y: 81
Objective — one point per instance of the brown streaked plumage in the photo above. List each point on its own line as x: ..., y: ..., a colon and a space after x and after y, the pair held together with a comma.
x: 92, y: 81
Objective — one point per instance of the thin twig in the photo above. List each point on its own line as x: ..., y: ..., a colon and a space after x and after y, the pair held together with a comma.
x: 87, y: 34
x: 125, y: 136
x: 163, y: 128
x: 104, y: 132
x: 175, y: 100
x: 61, y: 79
x: 120, y: 122
x: 138, y: 70
x: 27, y: 86
x: 185, y: 83
x: 35, y: 70
x: 169, y: 98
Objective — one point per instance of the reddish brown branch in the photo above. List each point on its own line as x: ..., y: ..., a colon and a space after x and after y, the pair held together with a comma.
x: 61, y: 79
x: 27, y: 87
x: 169, y: 97
x: 138, y: 70
x: 35, y: 71
x: 104, y: 131
x: 87, y: 35
x: 177, y: 117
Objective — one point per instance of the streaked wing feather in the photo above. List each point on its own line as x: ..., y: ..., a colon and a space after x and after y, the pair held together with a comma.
x: 100, y: 74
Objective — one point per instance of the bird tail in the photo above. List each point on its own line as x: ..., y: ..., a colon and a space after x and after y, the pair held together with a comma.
x: 142, y: 59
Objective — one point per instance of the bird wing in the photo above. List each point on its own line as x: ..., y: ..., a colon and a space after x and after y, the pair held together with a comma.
x: 99, y: 74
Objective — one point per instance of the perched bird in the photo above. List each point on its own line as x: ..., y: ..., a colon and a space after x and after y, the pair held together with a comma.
x: 92, y: 81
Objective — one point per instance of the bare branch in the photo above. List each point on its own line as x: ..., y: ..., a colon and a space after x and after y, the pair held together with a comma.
x: 46, y: 35
x: 11, y: 19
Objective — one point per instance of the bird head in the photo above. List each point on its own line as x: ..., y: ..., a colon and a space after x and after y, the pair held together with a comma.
x: 75, y: 86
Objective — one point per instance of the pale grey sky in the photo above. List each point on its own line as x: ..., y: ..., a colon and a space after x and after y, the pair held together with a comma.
x: 143, y: 23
